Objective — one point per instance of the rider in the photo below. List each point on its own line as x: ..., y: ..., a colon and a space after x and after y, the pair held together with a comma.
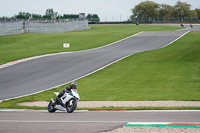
x: 67, y: 89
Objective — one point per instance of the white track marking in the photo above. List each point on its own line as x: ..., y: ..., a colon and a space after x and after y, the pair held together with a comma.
x: 176, y: 39
x: 41, y: 121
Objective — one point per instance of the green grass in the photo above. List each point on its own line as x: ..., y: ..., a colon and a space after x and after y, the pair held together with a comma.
x: 16, y: 47
x: 43, y: 96
x: 170, y: 73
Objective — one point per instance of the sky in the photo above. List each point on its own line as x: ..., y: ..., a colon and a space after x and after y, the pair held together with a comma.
x: 107, y: 10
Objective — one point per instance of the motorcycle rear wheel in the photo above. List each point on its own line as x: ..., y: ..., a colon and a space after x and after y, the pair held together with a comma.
x: 71, y: 108
x: 51, y: 108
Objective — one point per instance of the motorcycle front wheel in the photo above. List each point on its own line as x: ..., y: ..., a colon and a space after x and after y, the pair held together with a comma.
x: 51, y: 108
x: 71, y: 107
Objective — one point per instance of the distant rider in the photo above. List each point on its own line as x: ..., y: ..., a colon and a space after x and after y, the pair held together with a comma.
x: 67, y: 89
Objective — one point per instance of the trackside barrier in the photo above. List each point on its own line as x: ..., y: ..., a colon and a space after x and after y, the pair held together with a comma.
x: 56, y: 27
x: 9, y: 28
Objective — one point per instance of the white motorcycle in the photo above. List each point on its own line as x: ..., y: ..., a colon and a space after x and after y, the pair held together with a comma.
x: 67, y: 102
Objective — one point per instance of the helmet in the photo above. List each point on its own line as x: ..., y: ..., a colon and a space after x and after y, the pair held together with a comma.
x: 74, y: 85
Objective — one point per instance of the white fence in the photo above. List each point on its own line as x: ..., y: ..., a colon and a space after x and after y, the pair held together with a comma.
x: 56, y: 27
x: 9, y: 28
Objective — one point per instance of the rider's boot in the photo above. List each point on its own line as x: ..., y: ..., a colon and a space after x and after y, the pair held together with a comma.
x: 55, y: 101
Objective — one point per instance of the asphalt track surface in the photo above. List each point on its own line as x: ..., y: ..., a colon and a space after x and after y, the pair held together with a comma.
x: 85, y: 121
x: 44, y: 73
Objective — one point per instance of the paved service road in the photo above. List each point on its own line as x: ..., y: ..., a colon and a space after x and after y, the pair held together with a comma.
x: 85, y: 122
x: 47, y: 72
x: 194, y: 28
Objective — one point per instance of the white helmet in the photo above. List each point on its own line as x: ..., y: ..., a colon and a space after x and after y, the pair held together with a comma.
x: 74, y: 85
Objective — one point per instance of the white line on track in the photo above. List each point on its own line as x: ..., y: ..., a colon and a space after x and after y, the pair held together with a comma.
x: 176, y: 39
x: 163, y: 111
x: 31, y: 110
x: 146, y: 123
x: 183, y: 29
x: 128, y: 111
x: 163, y: 123
x: 41, y: 121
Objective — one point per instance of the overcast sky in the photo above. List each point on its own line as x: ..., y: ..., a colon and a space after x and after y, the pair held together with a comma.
x: 108, y: 10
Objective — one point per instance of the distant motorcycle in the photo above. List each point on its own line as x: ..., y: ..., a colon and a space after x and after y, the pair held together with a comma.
x: 68, y: 102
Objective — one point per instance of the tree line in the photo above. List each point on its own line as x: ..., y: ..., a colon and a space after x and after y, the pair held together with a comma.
x: 50, y: 14
x: 149, y: 11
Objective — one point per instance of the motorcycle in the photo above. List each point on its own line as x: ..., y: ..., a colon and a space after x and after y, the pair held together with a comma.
x: 68, y: 102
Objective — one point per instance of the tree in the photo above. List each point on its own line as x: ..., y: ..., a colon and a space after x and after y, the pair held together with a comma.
x: 70, y: 16
x: 149, y: 11
x: 96, y: 18
x: 50, y: 14
x: 165, y: 12
x: 93, y: 17
x: 198, y: 13
x: 192, y: 15
x: 36, y: 16
x: 23, y: 15
x: 89, y: 17
x: 146, y: 11
x: 182, y: 10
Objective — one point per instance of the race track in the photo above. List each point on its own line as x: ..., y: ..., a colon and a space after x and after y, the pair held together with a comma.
x: 85, y: 121
x: 43, y: 73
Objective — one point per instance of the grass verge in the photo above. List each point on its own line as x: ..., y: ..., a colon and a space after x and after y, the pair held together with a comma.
x: 170, y: 73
